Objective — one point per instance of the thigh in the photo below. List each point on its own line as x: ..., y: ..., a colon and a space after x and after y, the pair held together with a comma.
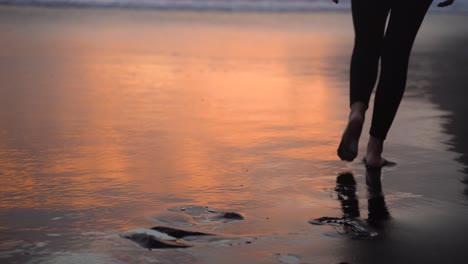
x: 405, y: 20
x: 369, y: 19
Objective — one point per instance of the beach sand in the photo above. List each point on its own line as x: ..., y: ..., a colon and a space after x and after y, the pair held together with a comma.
x: 112, y: 120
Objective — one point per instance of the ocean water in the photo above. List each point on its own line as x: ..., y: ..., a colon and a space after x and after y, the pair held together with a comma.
x: 218, y: 5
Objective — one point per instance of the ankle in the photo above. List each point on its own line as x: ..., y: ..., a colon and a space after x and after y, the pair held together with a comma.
x: 375, y: 146
x: 356, y: 116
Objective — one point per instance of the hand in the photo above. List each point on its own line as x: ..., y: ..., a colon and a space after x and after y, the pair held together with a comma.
x: 445, y: 3
x: 336, y: 1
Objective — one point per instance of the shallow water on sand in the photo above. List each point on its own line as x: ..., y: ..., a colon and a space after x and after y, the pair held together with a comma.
x: 122, y: 120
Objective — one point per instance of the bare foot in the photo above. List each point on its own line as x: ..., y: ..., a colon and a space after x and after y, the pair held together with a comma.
x: 348, y: 148
x: 373, y: 157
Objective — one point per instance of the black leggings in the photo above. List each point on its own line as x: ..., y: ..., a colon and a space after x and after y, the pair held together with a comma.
x: 392, y: 46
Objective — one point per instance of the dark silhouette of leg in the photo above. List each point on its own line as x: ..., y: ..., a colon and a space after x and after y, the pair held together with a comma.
x: 404, y: 22
x: 369, y: 19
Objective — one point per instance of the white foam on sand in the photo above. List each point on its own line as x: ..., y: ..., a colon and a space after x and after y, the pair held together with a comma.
x: 151, y: 232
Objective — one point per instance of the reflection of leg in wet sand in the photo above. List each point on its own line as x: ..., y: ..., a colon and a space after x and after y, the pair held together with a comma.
x: 346, y: 192
x: 351, y: 222
x: 378, y: 211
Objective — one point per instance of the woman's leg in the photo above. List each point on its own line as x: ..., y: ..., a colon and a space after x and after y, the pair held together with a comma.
x: 405, y: 20
x: 369, y: 18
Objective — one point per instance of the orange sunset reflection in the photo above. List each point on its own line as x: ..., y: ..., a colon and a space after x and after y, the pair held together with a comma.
x: 191, y: 115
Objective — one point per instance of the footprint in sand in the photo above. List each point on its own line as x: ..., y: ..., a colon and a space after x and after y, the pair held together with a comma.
x: 162, y: 237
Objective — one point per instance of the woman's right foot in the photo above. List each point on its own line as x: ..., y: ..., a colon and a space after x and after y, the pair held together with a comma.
x: 348, y: 148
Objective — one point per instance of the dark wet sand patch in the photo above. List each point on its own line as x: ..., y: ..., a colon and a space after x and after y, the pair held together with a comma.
x: 178, y: 233
x: 163, y: 237
x: 354, y: 227
x: 151, y: 242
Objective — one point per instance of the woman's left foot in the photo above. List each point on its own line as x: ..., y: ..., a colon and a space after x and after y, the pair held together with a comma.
x: 373, y: 157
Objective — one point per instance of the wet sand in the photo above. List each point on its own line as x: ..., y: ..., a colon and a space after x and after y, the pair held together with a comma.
x: 117, y: 121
